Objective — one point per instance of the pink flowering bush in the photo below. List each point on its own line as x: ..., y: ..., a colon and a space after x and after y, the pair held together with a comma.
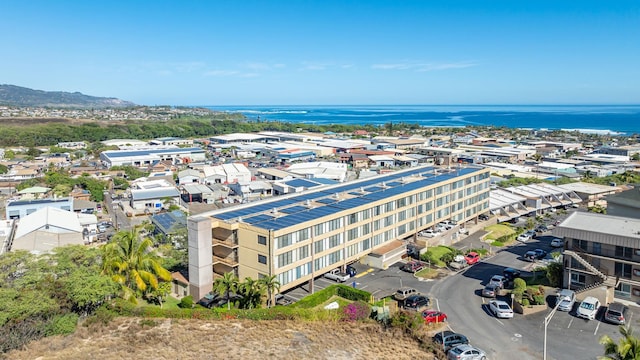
x: 355, y: 311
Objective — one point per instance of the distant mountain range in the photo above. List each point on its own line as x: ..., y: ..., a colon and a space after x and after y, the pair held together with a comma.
x: 11, y: 95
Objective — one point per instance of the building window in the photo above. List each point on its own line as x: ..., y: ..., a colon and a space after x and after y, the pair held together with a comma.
x: 623, y: 270
x: 318, y: 229
x: 623, y: 291
x: 262, y: 259
x: 262, y: 240
x: 578, y: 279
x: 334, y: 241
x: 624, y: 252
x: 319, y: 246
x: 303, y: 252
x: 284, y: 241
x: 353, y: 218
x: 285, y: 259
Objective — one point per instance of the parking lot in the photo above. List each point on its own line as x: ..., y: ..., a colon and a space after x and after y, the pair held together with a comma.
x: 380, y: 283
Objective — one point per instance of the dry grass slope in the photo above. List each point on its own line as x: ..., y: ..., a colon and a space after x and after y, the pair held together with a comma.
x: 134, y: 338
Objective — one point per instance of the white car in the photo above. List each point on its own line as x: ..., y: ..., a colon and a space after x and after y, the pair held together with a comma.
x: 524, y: 237
x: 557, y: 242
x: 429, y: 233
x: 500, y: 309
x: 588, y: 308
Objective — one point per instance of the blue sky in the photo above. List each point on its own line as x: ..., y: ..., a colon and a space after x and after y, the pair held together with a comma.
x: 326, y: 52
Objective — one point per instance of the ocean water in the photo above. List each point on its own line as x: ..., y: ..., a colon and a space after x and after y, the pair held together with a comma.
x: 601, y: 119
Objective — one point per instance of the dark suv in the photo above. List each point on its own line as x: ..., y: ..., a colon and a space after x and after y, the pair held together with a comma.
x: 616, y: 313
x: 448, y: 339
x: 509, y: 275
x: 416, y: 302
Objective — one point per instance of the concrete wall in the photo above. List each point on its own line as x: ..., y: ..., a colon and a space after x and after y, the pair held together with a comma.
x: 200, y: 257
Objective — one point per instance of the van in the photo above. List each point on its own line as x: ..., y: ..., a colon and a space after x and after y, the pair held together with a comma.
x: 566, y: 299
x: 616, y: 313
x: 404, y: 293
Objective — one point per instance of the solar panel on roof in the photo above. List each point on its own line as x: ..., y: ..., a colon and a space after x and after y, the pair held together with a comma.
x: 258, y: 218
x: 326, y: 201
x: 293, y: 209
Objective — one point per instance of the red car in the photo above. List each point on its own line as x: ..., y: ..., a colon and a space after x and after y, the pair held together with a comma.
x: 472, y: 258
x: 433, y: 316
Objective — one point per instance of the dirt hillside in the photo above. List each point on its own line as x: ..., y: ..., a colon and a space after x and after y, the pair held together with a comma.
x: 133, y: 338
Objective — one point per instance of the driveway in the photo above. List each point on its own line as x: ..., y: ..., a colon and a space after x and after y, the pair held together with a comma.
x: 568, y: 337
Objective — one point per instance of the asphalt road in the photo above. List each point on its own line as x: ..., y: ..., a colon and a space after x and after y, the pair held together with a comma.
x: 568, y: 338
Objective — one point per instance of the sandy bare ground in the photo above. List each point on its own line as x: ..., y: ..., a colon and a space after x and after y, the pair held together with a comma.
x: 134, y: 338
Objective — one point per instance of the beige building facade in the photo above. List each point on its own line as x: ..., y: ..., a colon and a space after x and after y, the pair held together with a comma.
x: 602, y: 251
x: 300, y: 237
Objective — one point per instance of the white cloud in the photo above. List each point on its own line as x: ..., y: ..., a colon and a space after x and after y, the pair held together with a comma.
x: 220, y: 73
x: 318, y: 66
x: 422, y: 67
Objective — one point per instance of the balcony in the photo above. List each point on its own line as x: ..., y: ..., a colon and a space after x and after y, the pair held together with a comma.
x: 228, y: 243
x: 231, y: 261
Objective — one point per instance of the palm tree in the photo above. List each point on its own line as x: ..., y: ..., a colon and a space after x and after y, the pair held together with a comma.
x: 132, y: 263
x: 272, y: 285
x: 225, y: 285
x: 628, y: 348
x: 251, y: 291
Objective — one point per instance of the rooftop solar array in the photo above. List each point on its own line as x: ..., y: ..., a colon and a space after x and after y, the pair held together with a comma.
x: 261, y: 214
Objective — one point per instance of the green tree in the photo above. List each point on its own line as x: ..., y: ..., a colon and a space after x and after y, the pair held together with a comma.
x: 251, y: 292
x: 628, y: 347
x: 9, y: 154
x: 133, y: 264
x: 3, y: 169
x: 272, y: 285
x: 634, y: 157
x: 225, y: 285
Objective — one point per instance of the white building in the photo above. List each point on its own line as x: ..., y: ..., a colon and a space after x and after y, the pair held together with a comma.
x: 146, y: 157
x: 49, y: 228
x: 226, y: 174
x: 152, y: 196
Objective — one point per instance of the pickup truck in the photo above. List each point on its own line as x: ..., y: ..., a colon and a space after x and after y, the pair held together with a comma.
x: 337, y: 275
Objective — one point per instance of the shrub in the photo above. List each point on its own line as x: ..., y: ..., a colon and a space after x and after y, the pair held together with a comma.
x: 525, y: 302
x: 353, y: 294
x: 497, y: 243
x: 186, y: 302
x: 408, y: 322
x: 103, y: 315
x: 519, y: 285
x: 356, y: 311
x: 538, y: 299
x: 62, y: 324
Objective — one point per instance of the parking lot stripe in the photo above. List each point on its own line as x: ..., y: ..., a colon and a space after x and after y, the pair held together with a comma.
x: 570, y: 322
x: 437, y: 305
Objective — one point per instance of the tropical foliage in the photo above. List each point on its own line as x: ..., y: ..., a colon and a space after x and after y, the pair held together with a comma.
x: 627, y: 348
x: 132, y: 263
x: 45, y: 295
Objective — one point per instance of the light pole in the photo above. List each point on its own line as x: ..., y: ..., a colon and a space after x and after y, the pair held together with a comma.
x: 547, y: 320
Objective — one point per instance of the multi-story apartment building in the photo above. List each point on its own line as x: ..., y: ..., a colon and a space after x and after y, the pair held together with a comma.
x: 302, y: 236
x: 602, y: 251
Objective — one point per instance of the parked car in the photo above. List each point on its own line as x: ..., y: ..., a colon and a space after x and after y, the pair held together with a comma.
x: 459, y: 262
x: 483, y: 217
x: 531, y: 233
x: 466, y: 352
x: 588, y: 308
x: 337, y: 275
x: 283, y: 300
x: 566, y: 298
x: 433, y: 316
x: 616, y: 313
x: 524, y: 237
x: 498, y: 280
x: 448, y: 225
x: 208, y: 301
x: 530, y: 256
x: 510, y: 274
x: 429, y: 233
x: 472, y: 258
x: 540, y: 254
x: 490, y: 290
x: 404, y: 292
x: 412, y: 266
x: 416, y: 302
x: 541, y: 228
x: 440, y: 227
x: 448, y: 339
x: 500, y: 309
x: 351, y: 271
x: 557, y: 242
x: 463, y: 231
